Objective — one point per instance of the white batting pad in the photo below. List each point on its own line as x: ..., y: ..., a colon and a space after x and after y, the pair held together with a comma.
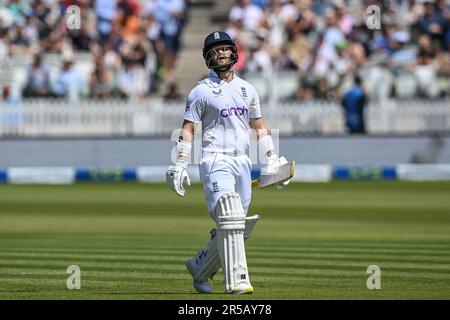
x: 250, y: 224
x: 206, y: 262
x: 230, y: 219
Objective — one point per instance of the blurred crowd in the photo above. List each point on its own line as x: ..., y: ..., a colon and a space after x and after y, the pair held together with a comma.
x: 327, y: 43
x: 127, y: 47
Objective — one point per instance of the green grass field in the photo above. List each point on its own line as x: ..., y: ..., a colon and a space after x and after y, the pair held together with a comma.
x: 315, y: 241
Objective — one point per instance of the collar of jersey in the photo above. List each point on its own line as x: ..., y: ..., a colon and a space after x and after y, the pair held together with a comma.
x: 216, y: 79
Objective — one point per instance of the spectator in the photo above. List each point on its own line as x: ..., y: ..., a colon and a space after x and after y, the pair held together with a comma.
x: 288, y: 12
x: 115, y: 39
x: 70, y: 82
x: 412, y: 13
x: 141, y: 52
x: 31, y: 32
x: 434, y: 23
x: 132, y: 82
x: 341, y: 66
x: 172, y: 94
x: 38, y: 79
x: 384, y: 43
x: 263, y: 4
x: 283, y: 14
x: 112, y: 65
x: 251, y: 15
x: 106, y: 11
x: 100, y: 81
x: 443, y: 71
x: 354, y: 102
x: 284, y: 62
x: 259, y: 59
x: 424, y: 70
x: 81, y: 39
x: 357, y: 54
x: 134, y: 49
x: 345, y: 20
x: 171, y: 15
x: 20, y: 44
x: 327, y: 49
x: 153, y: 30
x: 44, y: 22
x: 4, y: 45
x: 404, y: 57
x: 298, y: 45
x: 128, y: 17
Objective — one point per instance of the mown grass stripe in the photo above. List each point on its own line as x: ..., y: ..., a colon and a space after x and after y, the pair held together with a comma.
x: 260, y: 271
x: 171, y: 240
x: 59, y: 266
x: 255, y: 267
x: 253, y: 258
x: 254, y: 248
x: 328, y: 256
x: 412, y: 261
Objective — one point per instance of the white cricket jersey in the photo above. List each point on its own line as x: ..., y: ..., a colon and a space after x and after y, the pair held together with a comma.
x: 224, y: 109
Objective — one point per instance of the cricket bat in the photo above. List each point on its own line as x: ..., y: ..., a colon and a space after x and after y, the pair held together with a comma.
x: 285, y: 172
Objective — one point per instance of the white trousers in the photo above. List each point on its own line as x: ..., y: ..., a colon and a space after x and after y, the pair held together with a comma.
x: 222, y: 174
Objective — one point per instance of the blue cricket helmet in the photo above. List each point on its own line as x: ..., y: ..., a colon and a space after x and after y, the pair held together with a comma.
x: 215, y: 38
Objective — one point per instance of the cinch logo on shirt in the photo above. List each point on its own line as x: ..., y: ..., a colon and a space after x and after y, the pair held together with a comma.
x: 233, y: 111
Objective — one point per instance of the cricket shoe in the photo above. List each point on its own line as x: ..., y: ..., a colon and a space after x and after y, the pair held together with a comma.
x: 242, y: 288
x: 200, y: 286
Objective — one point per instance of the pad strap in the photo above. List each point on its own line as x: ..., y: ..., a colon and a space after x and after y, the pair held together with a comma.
x: 231, y: 223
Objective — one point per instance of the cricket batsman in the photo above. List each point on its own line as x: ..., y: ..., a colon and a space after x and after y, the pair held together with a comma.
x: 228, y: 108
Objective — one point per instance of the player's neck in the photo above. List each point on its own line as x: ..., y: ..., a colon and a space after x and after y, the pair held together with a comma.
x: 226, y: 75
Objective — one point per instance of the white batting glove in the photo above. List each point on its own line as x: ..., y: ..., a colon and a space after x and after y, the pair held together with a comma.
x: 176, y: 177
x: 273, y: 164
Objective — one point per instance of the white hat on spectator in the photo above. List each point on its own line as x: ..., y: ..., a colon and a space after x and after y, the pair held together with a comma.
x: 67, y: 56
x: 236, y: 15
x: 6, y: 18
x: 338, y: 3
x: 401, y: 36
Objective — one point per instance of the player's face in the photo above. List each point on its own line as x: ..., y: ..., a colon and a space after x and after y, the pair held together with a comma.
x: 221, y: 57
x: 222, y: 54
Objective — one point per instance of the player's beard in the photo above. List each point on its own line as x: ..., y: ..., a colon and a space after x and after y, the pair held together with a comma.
x: 224, y: 71
x: 224, y: 68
